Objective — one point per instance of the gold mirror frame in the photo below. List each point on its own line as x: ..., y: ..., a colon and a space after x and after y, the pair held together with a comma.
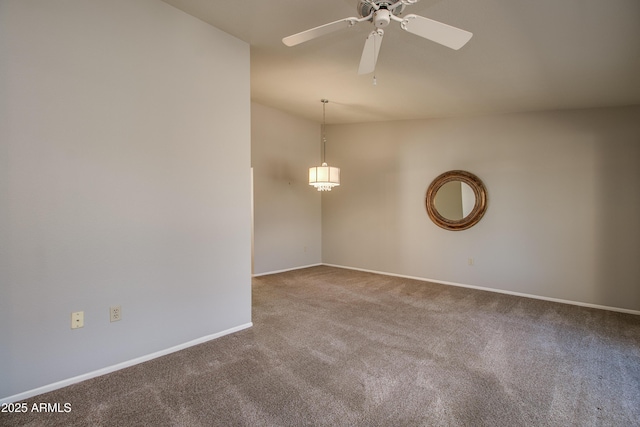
x: 476, y: 213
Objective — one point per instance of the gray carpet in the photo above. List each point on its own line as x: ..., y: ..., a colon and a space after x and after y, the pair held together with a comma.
x: 333, y: 347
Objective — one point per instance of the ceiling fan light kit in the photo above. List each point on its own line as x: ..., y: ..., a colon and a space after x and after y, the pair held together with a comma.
x: 381, y: 13
x: 381, y: 18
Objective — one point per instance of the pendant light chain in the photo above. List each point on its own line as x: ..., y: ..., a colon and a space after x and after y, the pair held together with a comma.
x: 324, y: 126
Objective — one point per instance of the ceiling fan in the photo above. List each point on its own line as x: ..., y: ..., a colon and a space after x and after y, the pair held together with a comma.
x: 381, y: 13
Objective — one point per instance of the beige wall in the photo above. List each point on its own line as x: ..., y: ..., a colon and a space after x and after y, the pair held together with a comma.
x: 563, y: 202
x: 287, y: 211
x: 124, y: 180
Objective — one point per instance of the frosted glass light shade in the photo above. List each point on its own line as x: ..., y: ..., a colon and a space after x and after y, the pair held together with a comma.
x: 324, y: 177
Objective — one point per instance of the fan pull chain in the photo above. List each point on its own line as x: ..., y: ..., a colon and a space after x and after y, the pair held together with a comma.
x: 374, y: 61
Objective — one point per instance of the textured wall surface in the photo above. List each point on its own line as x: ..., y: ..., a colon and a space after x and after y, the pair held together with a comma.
x: 562, y: 202
x: 287, y: 211
x: 124, y: 180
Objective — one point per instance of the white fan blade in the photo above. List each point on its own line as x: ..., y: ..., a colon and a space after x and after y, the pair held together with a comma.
x: 436, y: 31
x: 370, y: 52
x: 319, y: 31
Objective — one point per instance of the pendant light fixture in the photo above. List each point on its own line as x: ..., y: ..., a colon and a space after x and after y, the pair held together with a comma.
x: 324, y: 177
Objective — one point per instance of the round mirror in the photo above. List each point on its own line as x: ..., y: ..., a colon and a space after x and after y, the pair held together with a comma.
x: 456, y: 200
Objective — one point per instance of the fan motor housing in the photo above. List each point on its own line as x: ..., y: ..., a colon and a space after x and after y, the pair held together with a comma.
x: 365, y: 8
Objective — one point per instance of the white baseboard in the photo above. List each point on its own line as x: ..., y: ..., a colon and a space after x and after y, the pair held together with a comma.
x: 51, y: 387
x: 109, y: 369
x: 499, y: 291
x: 286, y: 269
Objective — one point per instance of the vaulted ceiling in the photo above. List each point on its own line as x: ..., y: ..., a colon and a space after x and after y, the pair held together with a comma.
x: 524, y: 55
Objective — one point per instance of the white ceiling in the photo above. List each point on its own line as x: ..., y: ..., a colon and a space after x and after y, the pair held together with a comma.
x: 525, y: 55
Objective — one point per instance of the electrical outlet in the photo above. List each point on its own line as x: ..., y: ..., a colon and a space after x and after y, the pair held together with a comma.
x: 77, y: 319
x: 115, y: 313
x: 470, y: 261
